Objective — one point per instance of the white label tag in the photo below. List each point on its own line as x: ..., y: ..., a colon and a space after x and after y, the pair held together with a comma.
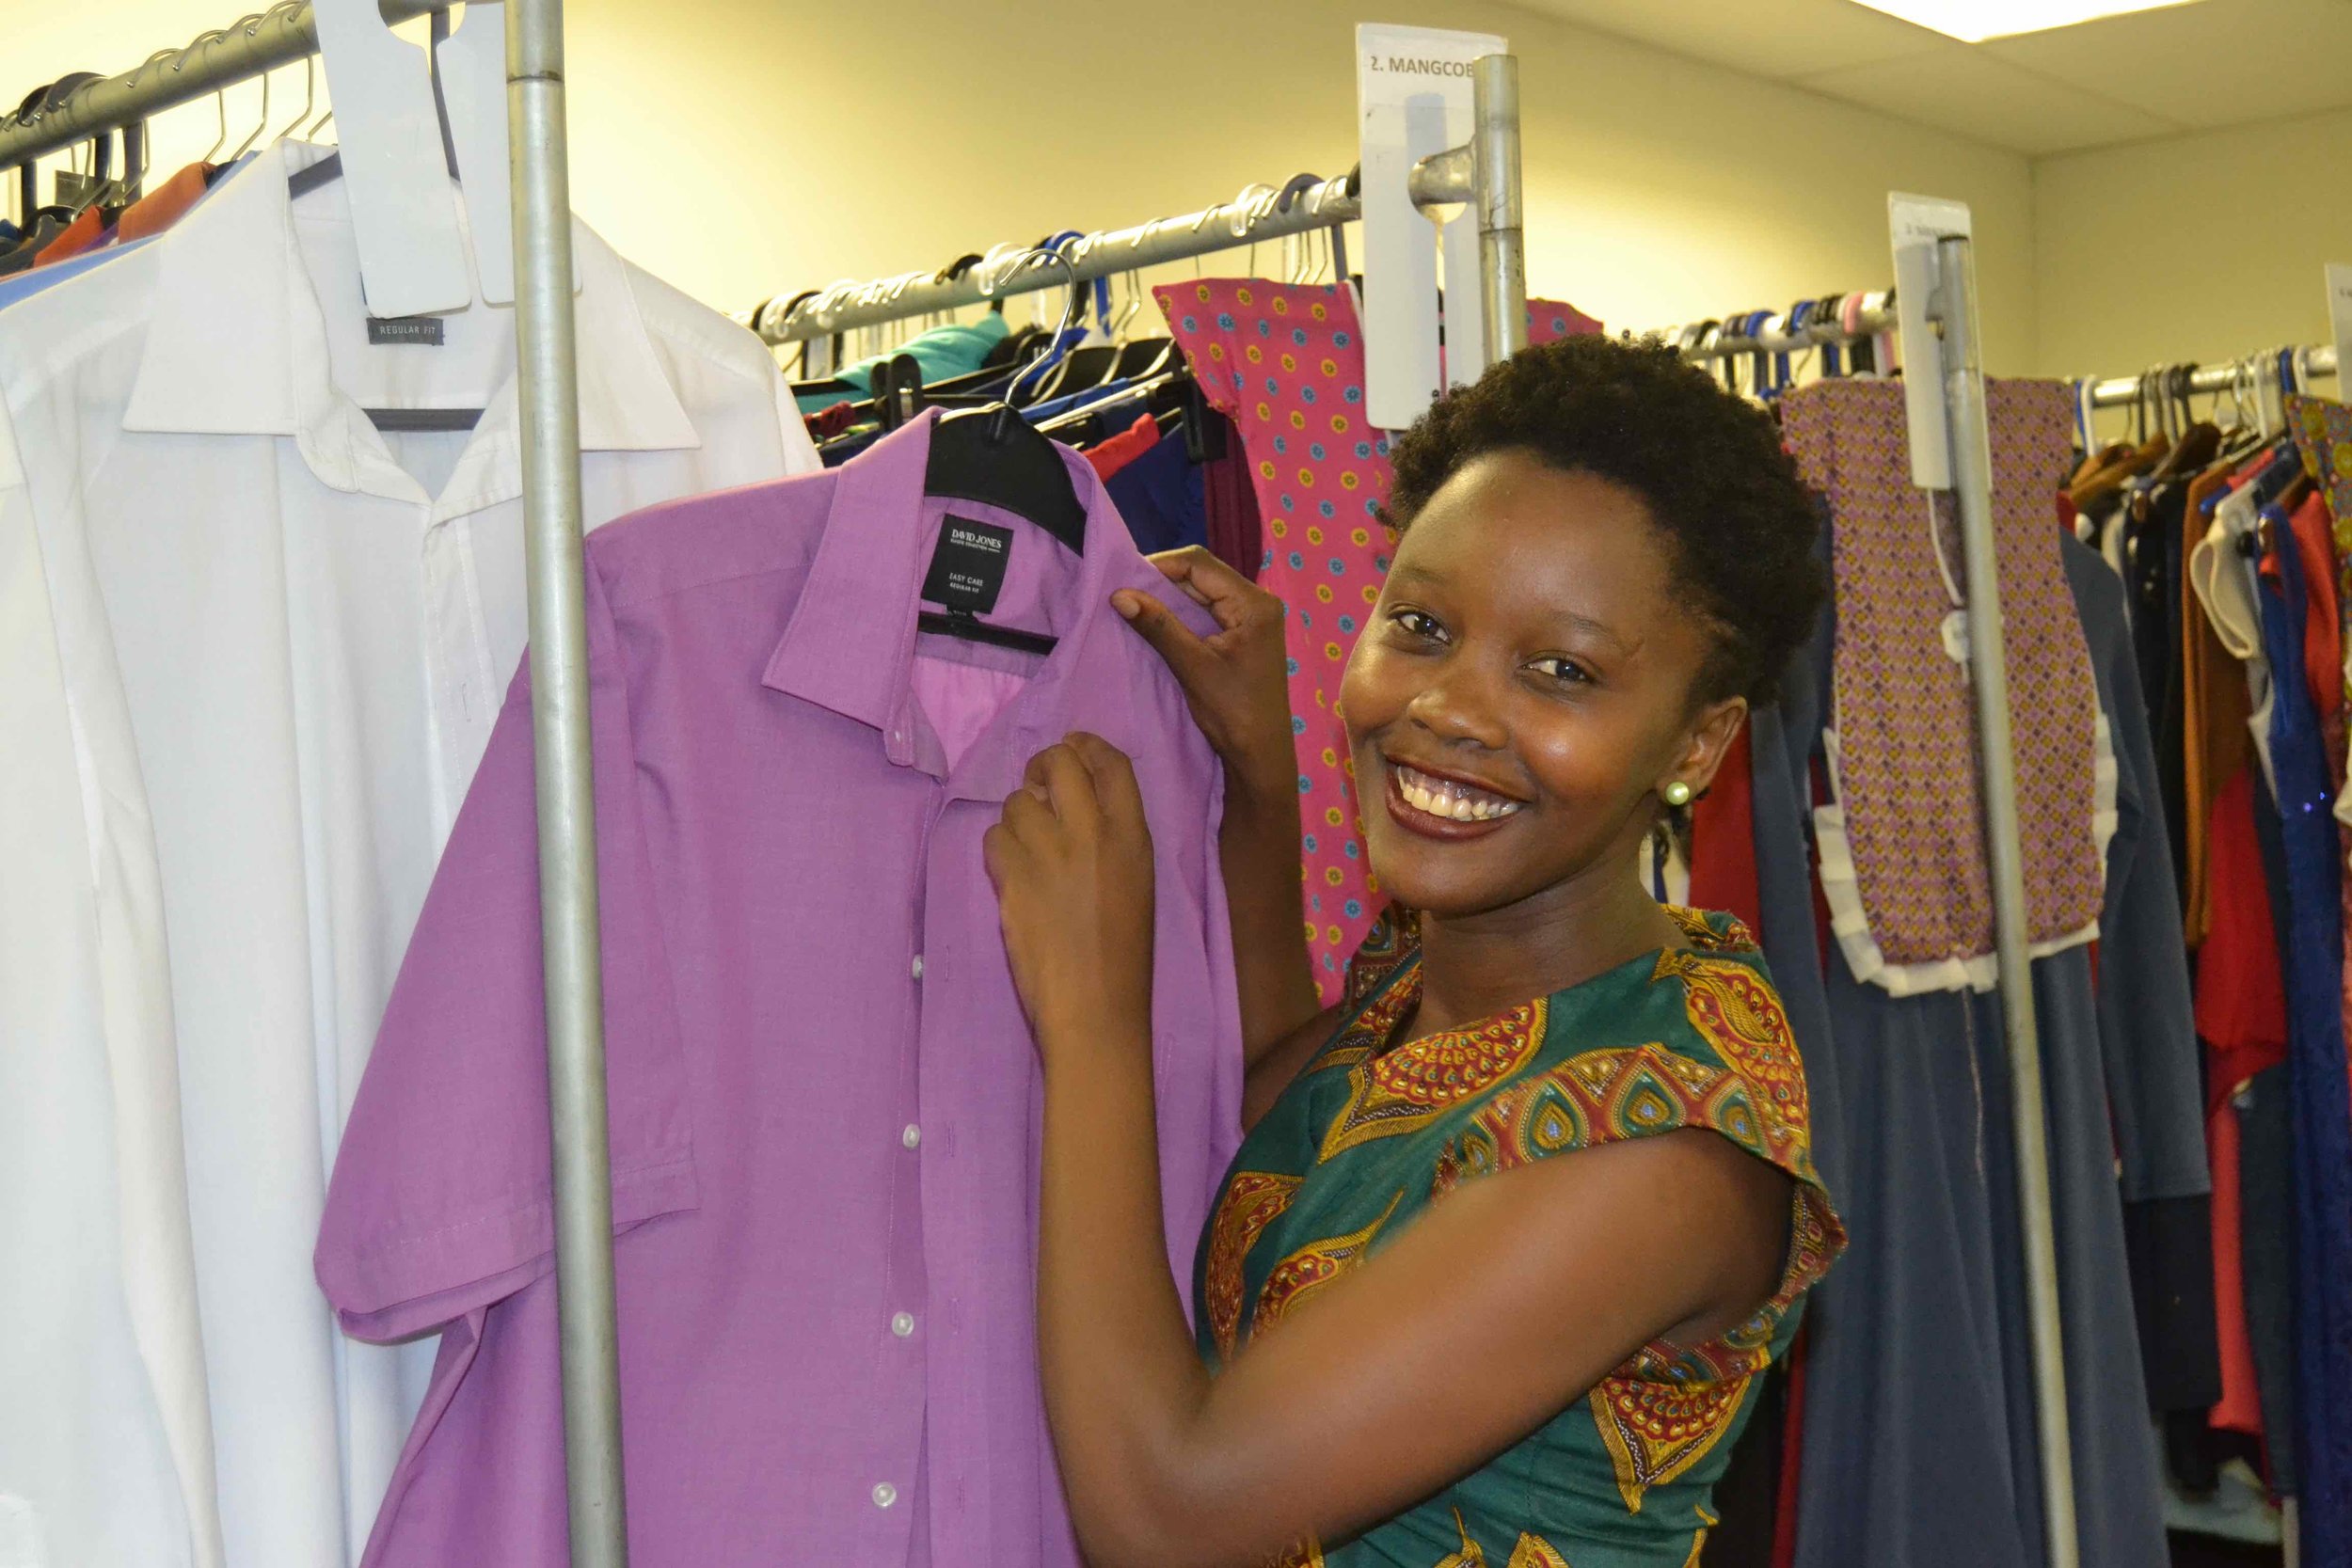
x: 2340, y: 317
x: 1914, y: 224
x: 1414, y: 98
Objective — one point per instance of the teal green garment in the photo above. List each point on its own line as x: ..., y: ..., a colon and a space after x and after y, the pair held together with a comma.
x: 943, y: 352
x: 1371, y: 1134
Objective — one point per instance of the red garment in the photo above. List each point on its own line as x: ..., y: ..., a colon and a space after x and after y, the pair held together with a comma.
x: 831, y: 420
x: 2241, y: 995
x: 84, y: 233
x: 166, y: 205
x: 2323, y: 634
x: 1230, y: 498
x: 1124, y: 448
x: 1723, y: 841
x: 1791, y: 1455
x: 2240, y: 1408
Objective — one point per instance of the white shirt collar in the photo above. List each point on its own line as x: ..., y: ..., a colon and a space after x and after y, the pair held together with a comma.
x: 236, y: 341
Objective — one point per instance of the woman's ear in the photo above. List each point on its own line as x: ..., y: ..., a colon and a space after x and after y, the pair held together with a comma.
x: 1716, y: 726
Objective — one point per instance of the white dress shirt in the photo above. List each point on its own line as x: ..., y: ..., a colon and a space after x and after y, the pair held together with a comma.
x: 273, y: 639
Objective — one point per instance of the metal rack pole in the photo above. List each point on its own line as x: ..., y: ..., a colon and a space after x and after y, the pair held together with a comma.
x: 1954, y: 312
x: 550, y: 404
x: 220, y: 58
x: 1500, y: 197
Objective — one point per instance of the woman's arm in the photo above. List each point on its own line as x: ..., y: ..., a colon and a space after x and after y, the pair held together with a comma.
x: 1236, y: 685
x: 1492, y: 1312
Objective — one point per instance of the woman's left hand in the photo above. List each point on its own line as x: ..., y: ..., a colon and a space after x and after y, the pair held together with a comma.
x: 1072, y: 863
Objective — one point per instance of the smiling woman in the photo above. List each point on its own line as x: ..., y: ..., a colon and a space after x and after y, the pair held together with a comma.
x: 1533, y: 1210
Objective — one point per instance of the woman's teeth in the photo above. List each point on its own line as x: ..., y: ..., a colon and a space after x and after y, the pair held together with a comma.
x: 1459, y: 803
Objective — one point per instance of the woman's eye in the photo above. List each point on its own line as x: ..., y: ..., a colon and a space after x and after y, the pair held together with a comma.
x: 1562, y: 670
x: 1416, y: 623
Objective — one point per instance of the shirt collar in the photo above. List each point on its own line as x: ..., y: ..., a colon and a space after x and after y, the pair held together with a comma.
x: 848, y: 645
x: 236, y: 343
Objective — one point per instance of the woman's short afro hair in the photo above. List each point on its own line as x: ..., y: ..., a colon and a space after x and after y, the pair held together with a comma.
x: 1738, y: 522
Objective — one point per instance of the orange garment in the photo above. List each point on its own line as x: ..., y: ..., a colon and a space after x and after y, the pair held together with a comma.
x: 163, y: 206
x: 2214, y: 708
x: 2240, y: 1407
x: 84, y: 233
x: 2092, y: 491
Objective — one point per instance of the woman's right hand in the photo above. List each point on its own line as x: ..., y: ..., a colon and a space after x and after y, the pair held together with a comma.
x: 1236, y: 681
x: 1238, y: 685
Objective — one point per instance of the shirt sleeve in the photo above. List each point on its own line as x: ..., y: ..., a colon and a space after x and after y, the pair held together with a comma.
x: 441, y: 1199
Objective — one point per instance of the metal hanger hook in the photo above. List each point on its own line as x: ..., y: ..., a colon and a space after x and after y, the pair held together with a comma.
x: 260, y: 125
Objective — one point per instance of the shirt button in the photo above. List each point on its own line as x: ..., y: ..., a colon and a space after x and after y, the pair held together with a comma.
x: 911, y: 1137
x: 918, y: 966
x: 885, y: 1495
x: 903, y: 1325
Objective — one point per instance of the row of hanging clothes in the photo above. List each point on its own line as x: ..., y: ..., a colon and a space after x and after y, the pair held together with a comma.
x: 1849, y: 835
x: 94, y: 206
x: 1093, y: 374
x: 2232, y: 534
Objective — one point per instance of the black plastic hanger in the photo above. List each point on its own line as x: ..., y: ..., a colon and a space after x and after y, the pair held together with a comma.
x: 993, y: 456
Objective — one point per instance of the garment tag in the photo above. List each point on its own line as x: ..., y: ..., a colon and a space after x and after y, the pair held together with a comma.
x: 968, y: 567
x: 423, y: 331
x: 2340, y: 316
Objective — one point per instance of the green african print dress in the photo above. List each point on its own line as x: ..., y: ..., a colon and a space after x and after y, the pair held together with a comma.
x: 1365, y: 1138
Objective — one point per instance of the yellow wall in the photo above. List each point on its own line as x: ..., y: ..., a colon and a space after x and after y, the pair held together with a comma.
x: 746, y: 147
x: 2202, y: 248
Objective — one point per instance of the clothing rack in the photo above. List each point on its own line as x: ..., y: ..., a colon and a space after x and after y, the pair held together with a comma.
x: 1953, y: 354
x: 1484, y: 173
x: 549, y: 401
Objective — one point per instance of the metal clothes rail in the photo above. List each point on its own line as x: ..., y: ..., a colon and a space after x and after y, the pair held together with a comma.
x: 548, y: 403
x: 262, y: 41
x: 1484, y: 172
x: 2234, y: 375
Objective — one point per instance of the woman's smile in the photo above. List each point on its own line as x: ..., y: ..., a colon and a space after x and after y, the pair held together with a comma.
x: 1444, y: 806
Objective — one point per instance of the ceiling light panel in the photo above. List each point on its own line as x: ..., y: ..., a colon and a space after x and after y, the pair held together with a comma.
x: 1974, y: 20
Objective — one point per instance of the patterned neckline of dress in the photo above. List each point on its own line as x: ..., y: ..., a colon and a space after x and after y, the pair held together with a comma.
x: 1373, y: 1034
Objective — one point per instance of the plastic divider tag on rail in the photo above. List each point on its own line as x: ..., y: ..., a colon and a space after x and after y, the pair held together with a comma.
x: 473, y: 92
x: 403, y: 215
x: 2339, y: 319
x: 1414, y: 100
x: 1914, y: 224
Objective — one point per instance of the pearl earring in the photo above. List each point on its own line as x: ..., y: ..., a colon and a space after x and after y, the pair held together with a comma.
x: 1676, y: 793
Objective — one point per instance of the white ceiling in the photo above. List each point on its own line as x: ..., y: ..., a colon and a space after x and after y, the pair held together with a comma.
x: 2126, y: 78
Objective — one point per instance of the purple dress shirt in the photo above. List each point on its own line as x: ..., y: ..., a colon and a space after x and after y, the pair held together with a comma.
x: 825, y: 1103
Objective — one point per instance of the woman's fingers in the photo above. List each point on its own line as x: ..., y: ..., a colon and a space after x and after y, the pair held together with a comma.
x: 1184, y: 652
x: 1114, y: 775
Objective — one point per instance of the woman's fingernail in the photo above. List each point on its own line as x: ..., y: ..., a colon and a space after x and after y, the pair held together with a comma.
x: 1128, y: 606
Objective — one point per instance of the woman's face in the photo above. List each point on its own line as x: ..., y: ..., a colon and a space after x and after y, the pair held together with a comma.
x: 1523, y: 689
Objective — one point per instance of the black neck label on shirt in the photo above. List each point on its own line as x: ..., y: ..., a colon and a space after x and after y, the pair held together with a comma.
x: 423, y: 331
x: 968, y: 567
